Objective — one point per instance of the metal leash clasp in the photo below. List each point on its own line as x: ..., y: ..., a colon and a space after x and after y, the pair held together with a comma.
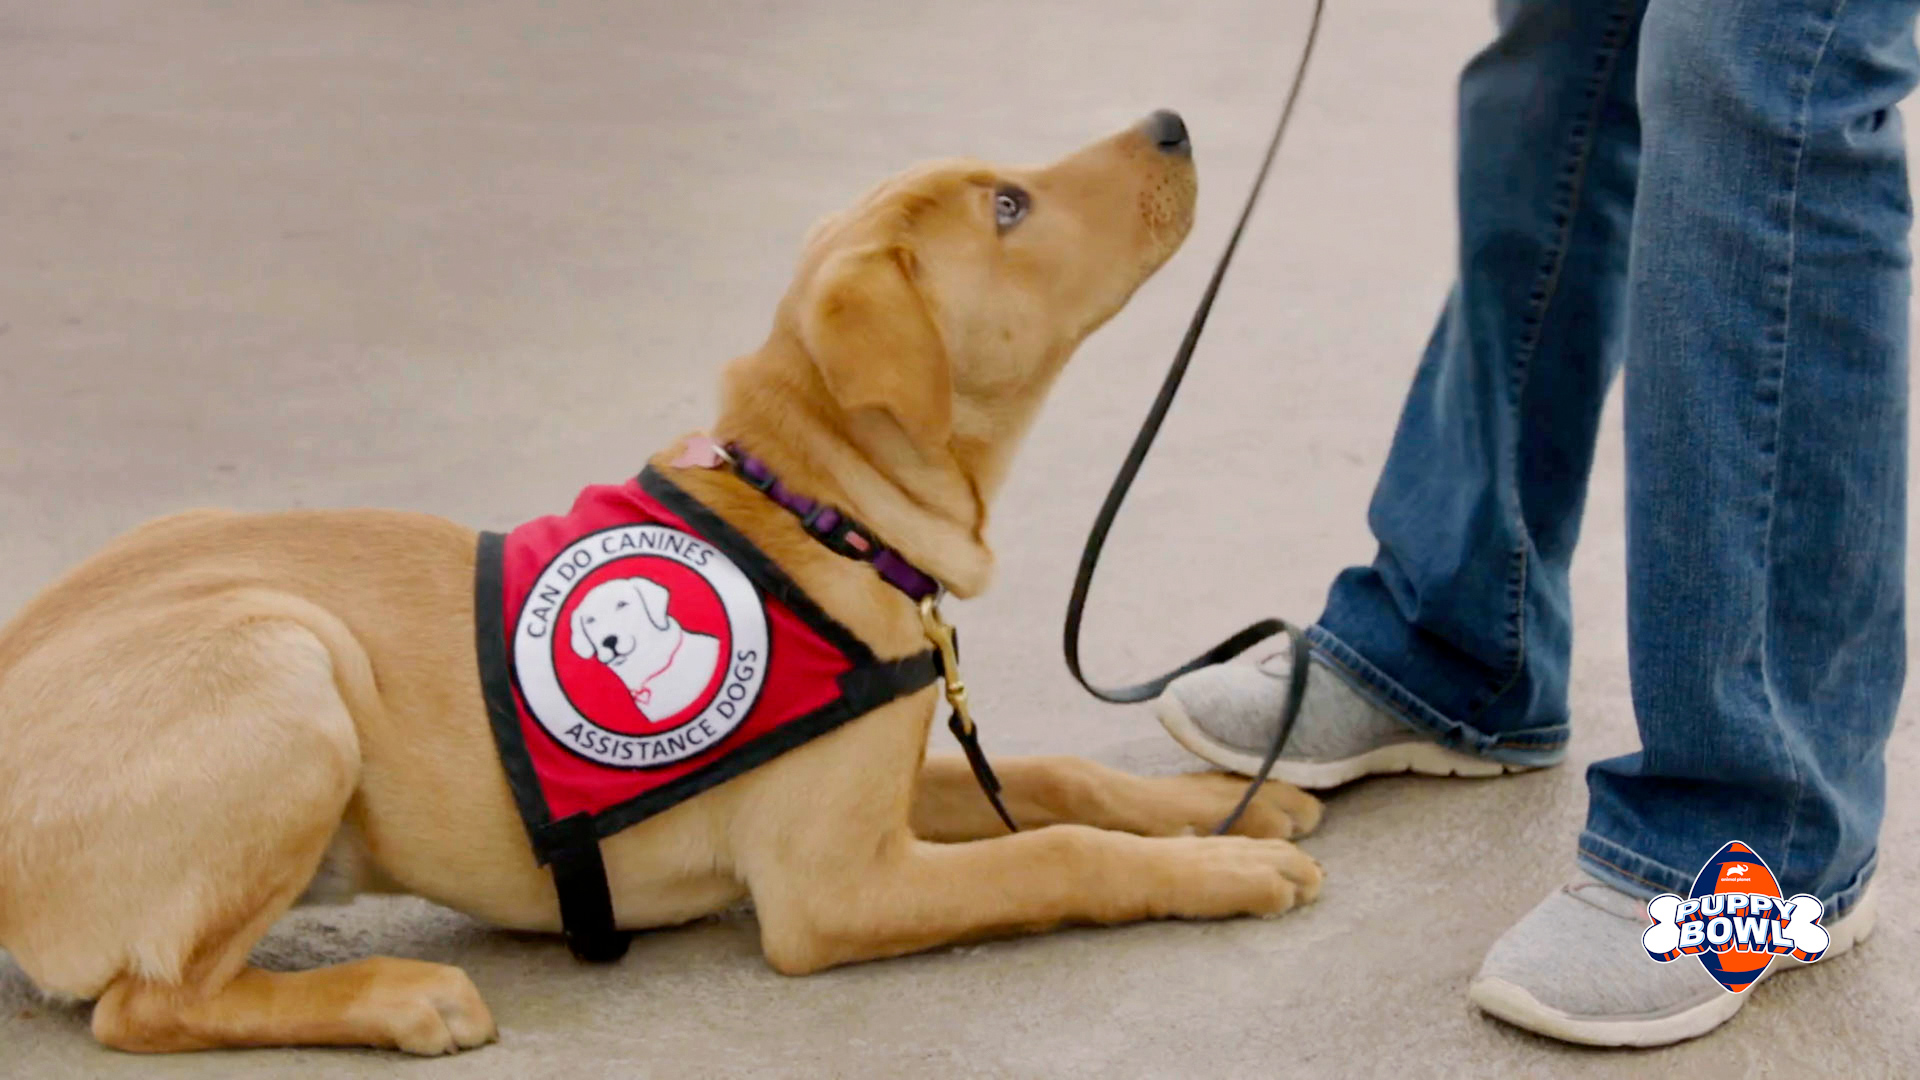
x: 941, y: 633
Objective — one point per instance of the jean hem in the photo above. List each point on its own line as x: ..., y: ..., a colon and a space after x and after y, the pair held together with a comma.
x: 1531, y: 747
x: 1636, y: 875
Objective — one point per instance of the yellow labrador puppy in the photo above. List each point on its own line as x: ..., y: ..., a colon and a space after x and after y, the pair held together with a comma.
x: 223, y: 714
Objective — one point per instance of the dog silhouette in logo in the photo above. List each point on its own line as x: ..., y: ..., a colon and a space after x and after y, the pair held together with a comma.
x: 625, y: 625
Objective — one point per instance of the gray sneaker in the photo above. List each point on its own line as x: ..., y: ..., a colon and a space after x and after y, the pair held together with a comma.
x: 1229, y: 714
x: 1574, y: 969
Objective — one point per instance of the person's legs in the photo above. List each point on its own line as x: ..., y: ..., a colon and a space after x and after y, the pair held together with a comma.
x: 1766, y: 411
x: 1766, y: 459
x: 1461, y: 625
x: 1463, y: 619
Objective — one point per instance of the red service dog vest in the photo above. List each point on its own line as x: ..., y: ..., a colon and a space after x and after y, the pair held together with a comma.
x: 637, y: 651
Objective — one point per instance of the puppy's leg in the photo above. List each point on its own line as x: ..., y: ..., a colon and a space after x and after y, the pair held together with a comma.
x: 949, y: 806
x: 218, y: 758
x: 409, y: 1005
x: 280, y: 693
x: 908, y: 894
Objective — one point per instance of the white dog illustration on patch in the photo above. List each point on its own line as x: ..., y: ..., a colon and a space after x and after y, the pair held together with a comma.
x: 624, y: 624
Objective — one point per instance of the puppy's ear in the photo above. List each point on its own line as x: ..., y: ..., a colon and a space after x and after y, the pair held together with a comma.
x: 869, y: 332
x: 582, y: 644
x: 653, y: 600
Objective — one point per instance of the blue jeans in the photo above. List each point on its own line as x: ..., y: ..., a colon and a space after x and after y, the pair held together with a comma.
x: 1712, y: 193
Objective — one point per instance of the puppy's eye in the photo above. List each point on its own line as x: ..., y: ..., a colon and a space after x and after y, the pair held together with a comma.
x: 1009, y: 207
x: 619, y: 605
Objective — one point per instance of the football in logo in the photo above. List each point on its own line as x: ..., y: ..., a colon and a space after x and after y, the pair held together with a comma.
x: 1732, y: 871
x: 640, y: 646
x: 1735, y: 920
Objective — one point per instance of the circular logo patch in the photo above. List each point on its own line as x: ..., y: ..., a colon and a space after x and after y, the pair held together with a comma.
x: 640, y: 646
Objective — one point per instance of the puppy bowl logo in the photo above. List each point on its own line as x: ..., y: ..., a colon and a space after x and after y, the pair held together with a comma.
x: 1735, y: 921
x: 640, y: 646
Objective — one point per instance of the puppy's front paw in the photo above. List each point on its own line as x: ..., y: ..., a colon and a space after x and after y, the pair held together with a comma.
x: 1278, y: 810
x: 432, y: 1009
x: 1233, y: 875
x: 1199, y: 802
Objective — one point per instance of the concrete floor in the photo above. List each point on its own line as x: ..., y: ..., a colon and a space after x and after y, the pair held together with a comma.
x: 441, y: 254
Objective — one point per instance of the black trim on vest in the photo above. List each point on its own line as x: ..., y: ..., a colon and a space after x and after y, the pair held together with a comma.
x: 497, y: 687
x: 571, y: 846
x: 862, y: 690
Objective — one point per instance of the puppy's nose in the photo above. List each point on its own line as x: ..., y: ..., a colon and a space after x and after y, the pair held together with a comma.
x: 609, y: 642
x: 1169, y: 133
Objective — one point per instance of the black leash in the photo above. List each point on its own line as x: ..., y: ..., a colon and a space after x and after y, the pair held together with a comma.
x: 1137, y: 455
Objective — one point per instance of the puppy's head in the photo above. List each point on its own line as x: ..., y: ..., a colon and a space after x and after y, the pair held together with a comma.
x: 621, y: 620
x: 947, y: 299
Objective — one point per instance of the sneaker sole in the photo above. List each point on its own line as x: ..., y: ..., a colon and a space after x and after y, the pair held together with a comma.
x: 1512, y: 1003
x: 1414, y: 756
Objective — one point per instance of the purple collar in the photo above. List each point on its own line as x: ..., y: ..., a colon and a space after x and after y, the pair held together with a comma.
x: 839, y: 533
